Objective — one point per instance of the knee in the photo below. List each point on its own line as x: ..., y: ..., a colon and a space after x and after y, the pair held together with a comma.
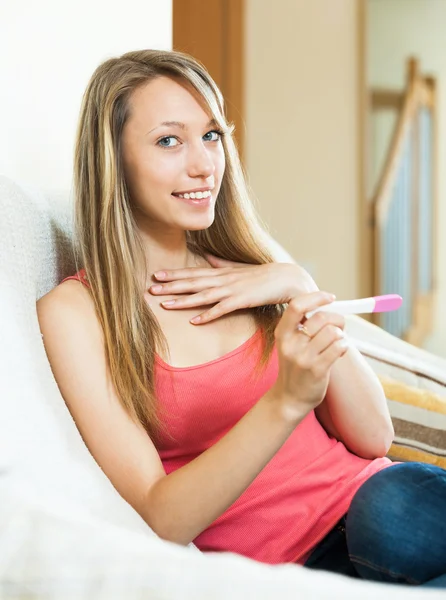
x: 394, y: 514
x: 377, y: 511
x: 395, y: 493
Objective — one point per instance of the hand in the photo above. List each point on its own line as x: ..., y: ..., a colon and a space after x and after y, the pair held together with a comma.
x: 306, y: 357
x: 230, y: 286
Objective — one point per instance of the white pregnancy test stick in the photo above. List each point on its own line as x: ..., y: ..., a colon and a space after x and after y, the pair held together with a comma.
x: 361, y: 306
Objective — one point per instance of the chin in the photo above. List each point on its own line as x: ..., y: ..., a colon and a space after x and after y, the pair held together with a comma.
x: 199, y: 224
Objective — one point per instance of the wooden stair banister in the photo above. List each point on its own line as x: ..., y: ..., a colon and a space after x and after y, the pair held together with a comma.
x: 404, y: 207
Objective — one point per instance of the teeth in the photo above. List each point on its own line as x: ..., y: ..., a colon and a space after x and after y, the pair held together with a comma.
x: 195, y: 195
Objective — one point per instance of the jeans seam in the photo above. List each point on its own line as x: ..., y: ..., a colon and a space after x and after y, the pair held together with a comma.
x: 371, y: 565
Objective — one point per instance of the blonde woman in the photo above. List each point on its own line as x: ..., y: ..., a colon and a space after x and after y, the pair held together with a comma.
x: 243, y: 430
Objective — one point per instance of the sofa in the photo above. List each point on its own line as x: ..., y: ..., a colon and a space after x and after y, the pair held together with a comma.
x: 65, y: 532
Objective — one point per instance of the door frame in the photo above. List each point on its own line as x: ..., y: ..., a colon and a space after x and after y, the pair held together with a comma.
x: 214, y: 33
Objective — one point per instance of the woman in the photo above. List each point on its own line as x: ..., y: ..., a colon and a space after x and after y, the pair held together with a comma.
x: 254, y: 429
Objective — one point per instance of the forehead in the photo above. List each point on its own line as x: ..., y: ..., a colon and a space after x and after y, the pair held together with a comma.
x: 164, y: 99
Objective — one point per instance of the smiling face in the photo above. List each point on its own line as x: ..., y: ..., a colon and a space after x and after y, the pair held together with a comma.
x: 173, y: 157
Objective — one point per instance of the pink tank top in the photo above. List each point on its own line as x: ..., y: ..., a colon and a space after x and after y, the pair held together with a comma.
x: 299, y: 495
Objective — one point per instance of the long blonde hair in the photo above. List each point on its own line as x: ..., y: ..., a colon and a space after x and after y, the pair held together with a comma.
x: 107, y: 242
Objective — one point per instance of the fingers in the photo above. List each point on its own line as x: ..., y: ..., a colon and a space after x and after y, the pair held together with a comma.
x: 187, y: 273
x: 297, y: 309
x: 325, y: 337
x: 186, y: 286
x: 321, y: 319
x: 222, y: 308
x: 336, y: 350
x: 322, y: 341
x: 323, y: 329
x: 326, y: 341
x: 204, y: 298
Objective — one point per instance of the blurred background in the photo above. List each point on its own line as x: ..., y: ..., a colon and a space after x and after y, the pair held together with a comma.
x: 339, y: 108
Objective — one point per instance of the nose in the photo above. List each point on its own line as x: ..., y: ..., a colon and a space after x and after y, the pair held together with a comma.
x: 200, y: 163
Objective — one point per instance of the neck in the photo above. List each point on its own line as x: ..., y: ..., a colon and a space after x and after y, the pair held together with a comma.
x: 168, y: 251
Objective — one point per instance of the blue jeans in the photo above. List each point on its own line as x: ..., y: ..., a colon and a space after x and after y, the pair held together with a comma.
x: 394, y: 531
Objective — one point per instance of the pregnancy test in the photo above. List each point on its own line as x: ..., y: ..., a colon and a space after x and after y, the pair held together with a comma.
x: 376, y: 304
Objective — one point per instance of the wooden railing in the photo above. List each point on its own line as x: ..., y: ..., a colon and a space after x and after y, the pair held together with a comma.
x: 404, y: 208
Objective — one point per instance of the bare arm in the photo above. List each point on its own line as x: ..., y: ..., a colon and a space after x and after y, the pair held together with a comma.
x: 181, y: 505
x: 355, y: 409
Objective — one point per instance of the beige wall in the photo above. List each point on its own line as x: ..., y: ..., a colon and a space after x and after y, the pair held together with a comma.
x: 398, y: 29
x: 302, y: 131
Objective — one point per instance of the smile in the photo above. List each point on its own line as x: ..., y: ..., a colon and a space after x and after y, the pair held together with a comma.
x: 194, y: 195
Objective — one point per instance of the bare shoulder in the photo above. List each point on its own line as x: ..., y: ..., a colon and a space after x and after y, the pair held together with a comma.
x: 73, y: 340
x: 70, y: 299
x: 72, y: 336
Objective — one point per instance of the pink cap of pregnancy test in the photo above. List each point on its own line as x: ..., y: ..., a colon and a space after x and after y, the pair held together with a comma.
x: 387, y: 303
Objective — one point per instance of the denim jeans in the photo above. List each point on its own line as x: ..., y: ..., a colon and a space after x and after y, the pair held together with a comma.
x: 394, y: 531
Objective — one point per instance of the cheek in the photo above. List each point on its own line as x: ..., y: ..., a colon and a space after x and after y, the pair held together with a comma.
x: 220, y: 163
x: 154, y: 171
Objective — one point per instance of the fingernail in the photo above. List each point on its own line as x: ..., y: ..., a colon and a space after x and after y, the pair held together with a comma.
x: 195, y: 320
x: 160, y: 274
x: 168, y: 302
x: 156, y: 288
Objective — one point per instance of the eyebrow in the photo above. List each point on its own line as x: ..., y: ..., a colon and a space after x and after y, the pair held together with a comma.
x: 212, y: 123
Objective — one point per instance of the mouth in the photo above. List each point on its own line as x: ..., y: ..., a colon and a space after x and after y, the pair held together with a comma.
x: 199, y: 198
x: 198, y: 195
x: 203, y: 202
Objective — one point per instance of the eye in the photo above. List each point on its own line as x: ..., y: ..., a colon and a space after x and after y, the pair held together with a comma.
x: 212, y: 136
x: 165, y: 141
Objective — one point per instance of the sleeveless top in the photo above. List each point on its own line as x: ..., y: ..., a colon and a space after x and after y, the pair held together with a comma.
x: 302, y: 492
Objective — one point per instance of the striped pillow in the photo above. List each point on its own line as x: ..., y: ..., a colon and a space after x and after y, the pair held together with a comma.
x: 419, y: 420
x: 414, y: 382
